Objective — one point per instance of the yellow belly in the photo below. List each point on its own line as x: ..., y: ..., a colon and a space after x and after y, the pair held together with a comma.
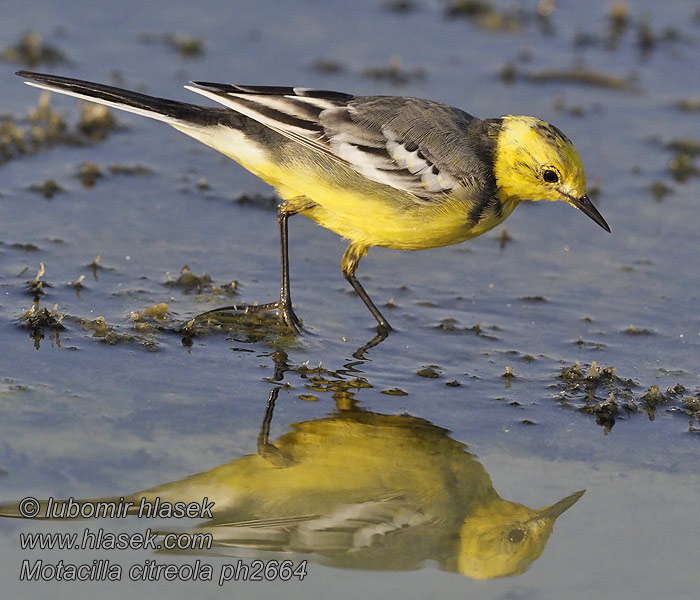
x: 372, y: 214
x: 363, y: 211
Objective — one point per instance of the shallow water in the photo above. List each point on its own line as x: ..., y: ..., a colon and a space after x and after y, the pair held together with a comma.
x: 93, y: 410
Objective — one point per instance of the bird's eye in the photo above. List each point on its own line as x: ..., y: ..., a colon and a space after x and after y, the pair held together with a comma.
x: 515, y: 536
x: 550, y: 176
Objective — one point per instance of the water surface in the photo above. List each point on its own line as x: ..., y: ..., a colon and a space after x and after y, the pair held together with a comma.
x: 93, y: 410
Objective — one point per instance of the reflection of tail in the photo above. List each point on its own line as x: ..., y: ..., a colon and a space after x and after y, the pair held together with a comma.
x: 71, y: 508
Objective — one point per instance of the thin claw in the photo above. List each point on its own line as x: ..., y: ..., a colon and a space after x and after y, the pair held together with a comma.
x: 244, y: 308
x: 290, y: 319
x: 286, y: 313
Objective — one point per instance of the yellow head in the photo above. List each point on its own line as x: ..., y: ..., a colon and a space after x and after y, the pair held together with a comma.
x: 536, y: 161
x: 503, y: 538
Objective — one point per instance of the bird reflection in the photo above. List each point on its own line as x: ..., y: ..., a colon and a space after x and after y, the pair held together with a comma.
x: 359, y: 489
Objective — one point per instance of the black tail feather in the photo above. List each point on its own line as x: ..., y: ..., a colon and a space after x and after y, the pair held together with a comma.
x: 172, y: 109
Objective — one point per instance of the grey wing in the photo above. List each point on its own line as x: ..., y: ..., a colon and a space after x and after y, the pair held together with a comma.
x: 347, y: 528
x: 417, y: 146
x: 414, y: 145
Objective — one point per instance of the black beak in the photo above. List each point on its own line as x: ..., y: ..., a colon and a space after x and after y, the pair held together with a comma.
x: 585, y: 205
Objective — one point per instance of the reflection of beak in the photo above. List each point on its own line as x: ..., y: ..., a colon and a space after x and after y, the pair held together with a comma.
x: 552, y: 512
x: 585, y: 205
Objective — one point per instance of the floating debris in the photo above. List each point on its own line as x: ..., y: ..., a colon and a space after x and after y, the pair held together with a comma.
x: 95, y: 121
x: 185, y: 45
x: 604, y: 412
x: 682, y: 165
x: 38, y: 320
x: 96, y: 266
x: 692, y: 406
x: 308, y: 397
x: 31, y: 50
x: 155, y: 312
x: 486, y: 16
x: 617, y: 400
x: 45, y: 128
x: 655, y: 397
x: 119, y: 169
x: 266, y: 201
x: 689, y: 146
x: 41, y: 318
x: 638, y: 331
x: 394, y: 73
x: 574, y: 110
x: 428, y: 372
x: 328, y: 66
x: 78, y: 283
x: 36, y: 286
x: 577, y: 75
x: 101, y: 329
x: 504, y: 238
x: 48, y: 189
x: 618, y: 23
x: 544, y: 12
x: 27, y: 247
x: 88, y: 173
x: 451, y: 325
x: 659, y: 190
x: 688, y: 104
x: 189, y: 282
x: 201, y: 284
x: 328, y: 381
x: 394, y: 392
x: 401, y: 7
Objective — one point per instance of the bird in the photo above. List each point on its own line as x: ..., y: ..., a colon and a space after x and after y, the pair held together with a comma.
x: 357, y: 489
x: 395, y: 172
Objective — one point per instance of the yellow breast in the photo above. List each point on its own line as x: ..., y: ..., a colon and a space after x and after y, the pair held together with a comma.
x: 373, y: 214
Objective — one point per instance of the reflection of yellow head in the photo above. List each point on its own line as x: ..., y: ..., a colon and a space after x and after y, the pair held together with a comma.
x: 504, y: 538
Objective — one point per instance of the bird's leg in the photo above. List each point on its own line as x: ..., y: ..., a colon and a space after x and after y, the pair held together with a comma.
x: 286, y: 312
x: 269, y: 451
x: 284, y: 305
x: 382, y: 334
x: 264, y: 435
x: 348, y: 265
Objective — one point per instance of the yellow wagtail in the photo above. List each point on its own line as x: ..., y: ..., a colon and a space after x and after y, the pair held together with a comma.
x: 390, y: 171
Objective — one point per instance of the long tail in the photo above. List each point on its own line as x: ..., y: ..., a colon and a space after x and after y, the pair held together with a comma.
x: 177, y: 114
x: 239, y: 136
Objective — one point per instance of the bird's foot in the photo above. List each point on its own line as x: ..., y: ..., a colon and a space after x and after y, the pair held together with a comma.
x: 284, y: 310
